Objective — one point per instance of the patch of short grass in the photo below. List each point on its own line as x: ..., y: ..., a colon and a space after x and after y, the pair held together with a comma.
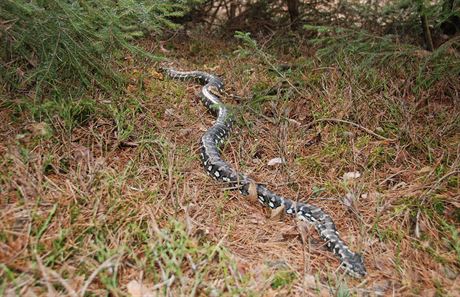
x: 282, y: 278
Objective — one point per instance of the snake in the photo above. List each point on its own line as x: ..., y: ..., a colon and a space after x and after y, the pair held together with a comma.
x: 211, y: 159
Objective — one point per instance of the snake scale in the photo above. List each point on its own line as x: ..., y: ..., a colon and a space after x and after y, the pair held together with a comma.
x: 220, y: 170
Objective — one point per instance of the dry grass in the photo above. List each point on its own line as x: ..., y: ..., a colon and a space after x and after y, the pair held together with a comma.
x: 95, y: 195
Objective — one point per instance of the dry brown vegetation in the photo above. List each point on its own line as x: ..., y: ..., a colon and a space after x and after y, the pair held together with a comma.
x: 102, y: 192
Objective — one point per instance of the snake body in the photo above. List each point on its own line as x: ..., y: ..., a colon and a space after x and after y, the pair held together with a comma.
x: 220, y: 170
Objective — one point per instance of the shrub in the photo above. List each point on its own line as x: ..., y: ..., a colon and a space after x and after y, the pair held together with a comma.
x: 67, y: 46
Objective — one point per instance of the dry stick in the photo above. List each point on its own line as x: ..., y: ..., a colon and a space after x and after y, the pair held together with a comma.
x: 284, y: 77
x: 391, y: 176
x: 63, y: 282
x: 213, y: 17
x: 107, y: 264
x: 45, y: 271
x: 350, y: 123
x: 167, y: 282
x: 50, y: 288
x: 227, y: 10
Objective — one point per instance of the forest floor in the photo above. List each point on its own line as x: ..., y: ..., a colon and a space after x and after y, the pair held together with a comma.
x: 106, y: 196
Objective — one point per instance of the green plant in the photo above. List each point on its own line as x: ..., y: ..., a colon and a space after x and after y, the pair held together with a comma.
x: 283, y: 278
x: 369, y: 51
x: 70, y: 46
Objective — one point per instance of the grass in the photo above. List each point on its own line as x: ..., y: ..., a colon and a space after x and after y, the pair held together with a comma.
x: 282, y: 278
x: 58, y: 49
x: 103, y: 191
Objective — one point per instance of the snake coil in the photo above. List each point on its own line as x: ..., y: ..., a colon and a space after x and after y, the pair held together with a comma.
x: 220, y: 170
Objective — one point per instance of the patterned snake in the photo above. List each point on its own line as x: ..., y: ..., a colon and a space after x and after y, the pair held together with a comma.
x: 222, y: 171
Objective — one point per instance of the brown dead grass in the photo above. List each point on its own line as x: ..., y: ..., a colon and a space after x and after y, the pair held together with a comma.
x: 117, y: 185
x: 399, y: 264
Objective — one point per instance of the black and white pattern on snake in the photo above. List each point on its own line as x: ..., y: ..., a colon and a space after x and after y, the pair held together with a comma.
x: 220, y: 170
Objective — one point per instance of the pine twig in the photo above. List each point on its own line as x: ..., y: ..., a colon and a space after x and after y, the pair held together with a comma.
x: 334, y: 120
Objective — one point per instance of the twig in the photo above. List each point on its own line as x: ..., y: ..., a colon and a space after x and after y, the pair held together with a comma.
x: 350, y: 123
x: 167, y: 282
x: 50, y: 288
x: 45, y: 271
x: 390, y: 177
x: 107, y: 264
x: 63, y: 282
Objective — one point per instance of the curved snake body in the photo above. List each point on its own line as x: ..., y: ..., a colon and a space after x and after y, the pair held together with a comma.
x: 220, y: 170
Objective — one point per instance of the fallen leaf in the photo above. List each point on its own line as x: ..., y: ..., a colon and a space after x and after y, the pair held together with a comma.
x: 277, y: 213
x: 136, y: 289
x: 276, y: 161
x: 348, y: 199
x: 351, y: 175
x: 310, y: 281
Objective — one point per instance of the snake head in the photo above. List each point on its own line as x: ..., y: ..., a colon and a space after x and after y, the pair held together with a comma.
x: 354, y: 265
x: 217, y: 83
x: 214, y: 90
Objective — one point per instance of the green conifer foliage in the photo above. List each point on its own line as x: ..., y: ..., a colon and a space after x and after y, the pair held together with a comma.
x: 69, y: 45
